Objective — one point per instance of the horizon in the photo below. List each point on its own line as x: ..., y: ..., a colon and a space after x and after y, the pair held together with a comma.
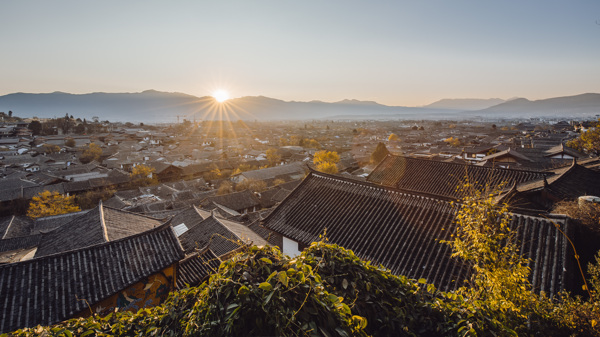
x: 298, y: 101
x: 393, y: 53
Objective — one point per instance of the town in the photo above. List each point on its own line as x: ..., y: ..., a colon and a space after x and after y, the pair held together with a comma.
x: 138, y: 211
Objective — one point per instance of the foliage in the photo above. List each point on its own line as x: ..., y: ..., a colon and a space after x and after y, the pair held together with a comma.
x: 379, y: 154
x: 587, y: 213
x: 142, y: 175
x: 251, y: 184
x: 325, y: 161
x: 273, y: 157
x: 452, y: 141
x: 90, y: 199
x: 90, y: 153
x: 588, y: 141
x: 70, y: 142
x: 391, y: 305
x: 50, y: 148
x: 225, y: 188
x: 393, y: 137
x: 258, y: 292
x: 300, y: 141
x: 48, y: 203
x: 35, y: 127
x: 326, y: 291
x: 485, y: 240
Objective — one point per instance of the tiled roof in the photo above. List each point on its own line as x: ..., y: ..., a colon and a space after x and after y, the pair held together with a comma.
x: 292, y: 169
x: 440, y: 178
x: 210, y: 233
x: 16, y: 226
x: 402, y: 231
x: 197, y: 267
x: 53, y: 288
x: 50, y: 223
x: 120, y: 223
x: 568, y: 183
x: 189, y: 216
x: 237, y: 201
x: 22, y: 242
x: 101, y: 224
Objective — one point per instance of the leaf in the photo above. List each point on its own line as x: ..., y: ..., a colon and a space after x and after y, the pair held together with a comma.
x: 268, y: 298
x: 345, y: 284
x: 266, y: 286
x: 283, y: 278
x: 422, y: 281
x: 271, y: 276
x: 243, y: 290
x: 266, y: 260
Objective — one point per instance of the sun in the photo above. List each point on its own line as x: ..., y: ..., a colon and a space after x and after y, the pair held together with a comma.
x: 220, y: 95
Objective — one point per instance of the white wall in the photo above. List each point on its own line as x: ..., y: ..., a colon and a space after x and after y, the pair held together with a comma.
x: 290, y: 247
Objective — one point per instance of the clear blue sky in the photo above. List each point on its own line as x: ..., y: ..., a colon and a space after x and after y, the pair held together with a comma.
x: 393, y: 52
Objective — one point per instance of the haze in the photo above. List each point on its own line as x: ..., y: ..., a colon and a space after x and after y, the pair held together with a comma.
x: 407, y: 53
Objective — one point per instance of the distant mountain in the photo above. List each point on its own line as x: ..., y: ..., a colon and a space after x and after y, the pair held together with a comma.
x: 465, y: 103
x: 585, y: 105
x: 154, y: 107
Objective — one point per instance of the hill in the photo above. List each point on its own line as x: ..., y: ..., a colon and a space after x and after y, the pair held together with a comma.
x: 578, y: 106
x: 465, y: 103
x: 161, y: 107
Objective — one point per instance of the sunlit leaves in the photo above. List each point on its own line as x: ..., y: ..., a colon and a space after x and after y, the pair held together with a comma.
x: 48, y: 203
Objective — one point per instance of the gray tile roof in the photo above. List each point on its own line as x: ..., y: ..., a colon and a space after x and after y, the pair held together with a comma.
x: 197, y: 267
x: 237, y: 201
x: 22, y: 242
x: 402, y: 231
x: 210, y: 233
x: 101, y: 224
x: 50, y: 223
x: 293, y: 169
x: 440, y: 178
x: 51, y: 289
x: 17, y: 226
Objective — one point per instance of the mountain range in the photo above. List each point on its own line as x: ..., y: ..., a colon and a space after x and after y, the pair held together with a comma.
x: 155, y: 107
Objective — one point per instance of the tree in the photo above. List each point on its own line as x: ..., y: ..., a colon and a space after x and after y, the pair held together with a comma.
x: 326, y: 161
x: 485, y: 240
x: 225, y: 188
x: 588, y: 141
x: 455, y: 142
x: 273, y: 157
x: 393, y: 137
x: 48, y: 203
x: 141, y: 175
x: 35, y: 127
x: 90, y: 199
x: 252, y: 185
x: 380, y: 152
x: 70, y: 142
x: 91, y: 153
x: 50, y: 148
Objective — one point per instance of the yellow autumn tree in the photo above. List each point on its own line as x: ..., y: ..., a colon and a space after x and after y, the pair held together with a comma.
x: 92, y: 152
x: 455, y: 142
x: 326, y: 161
x: 273, y: 157
x: 141, y: 175
x: 48, y: 203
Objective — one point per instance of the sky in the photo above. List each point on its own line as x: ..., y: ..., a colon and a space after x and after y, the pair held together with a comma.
x: 403, y: 53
